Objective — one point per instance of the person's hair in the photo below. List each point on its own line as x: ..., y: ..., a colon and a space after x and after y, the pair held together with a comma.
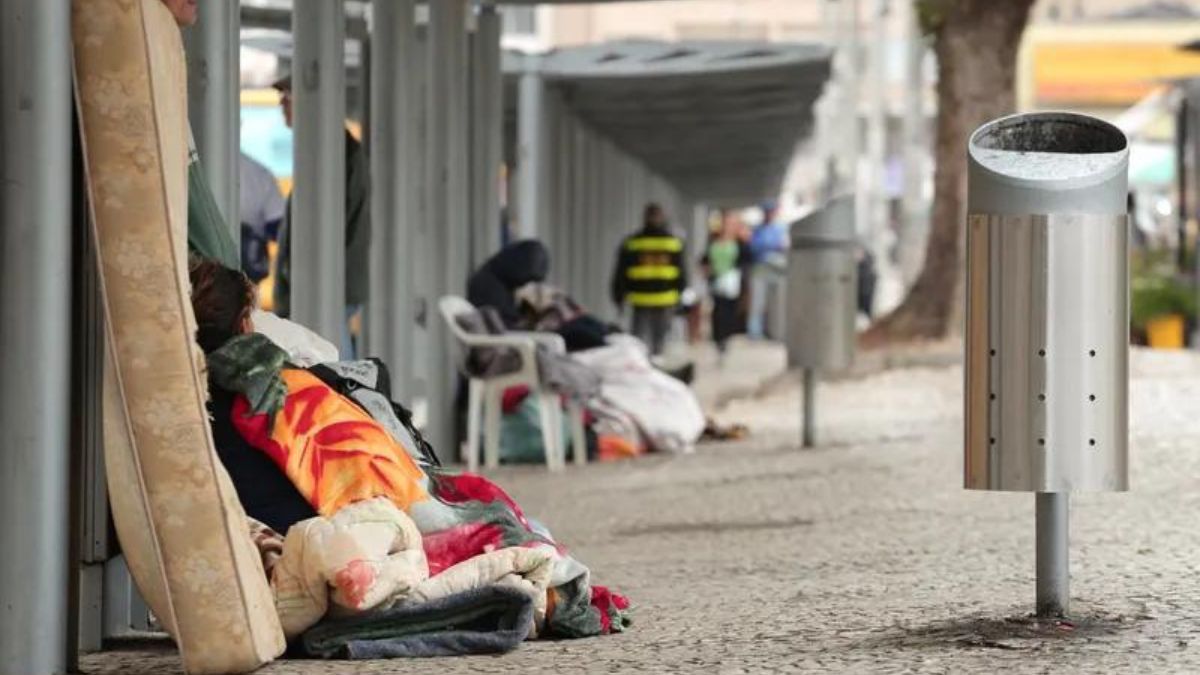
x: 652, y: 213
x: 222, y: 300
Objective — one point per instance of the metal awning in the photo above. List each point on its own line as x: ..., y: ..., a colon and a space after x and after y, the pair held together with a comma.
x: 720, y: 120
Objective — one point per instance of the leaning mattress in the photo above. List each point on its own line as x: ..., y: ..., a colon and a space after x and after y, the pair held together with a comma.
x: 177, y: 516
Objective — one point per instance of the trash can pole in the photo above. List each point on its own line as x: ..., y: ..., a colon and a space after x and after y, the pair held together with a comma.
x: 1053, y: 570
x: 810, y: 408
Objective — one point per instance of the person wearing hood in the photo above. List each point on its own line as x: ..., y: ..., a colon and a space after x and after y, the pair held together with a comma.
x: 650, y: 276
x: 495, y: 283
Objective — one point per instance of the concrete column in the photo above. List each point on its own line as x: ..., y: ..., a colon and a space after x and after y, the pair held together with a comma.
x: 394, y: 169
x: 318, y: 223
x: 213, y: 64
x: 487, y: 129
x: 531, y: 135
x: 35, y: 338
x: 447, y: 209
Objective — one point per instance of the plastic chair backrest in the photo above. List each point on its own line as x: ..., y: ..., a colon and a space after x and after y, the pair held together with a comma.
x: 452, y: 307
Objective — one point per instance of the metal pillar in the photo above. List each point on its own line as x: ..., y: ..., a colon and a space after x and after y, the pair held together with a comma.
x: 531, y: 133
x: 810, y: 408
x: 914, y: 225
x: 213, y: 59
x: 35, y: 338
x: 875, y: 201
x: 1053, y: 554
x: 447, y: 183
x: 423, y: 267
x: 394, y: 165
x: 579, y: 204
x: 318, y: 225
x: 487, y: 134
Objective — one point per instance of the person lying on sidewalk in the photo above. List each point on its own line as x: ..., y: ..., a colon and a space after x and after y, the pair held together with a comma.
x: 335, y: 453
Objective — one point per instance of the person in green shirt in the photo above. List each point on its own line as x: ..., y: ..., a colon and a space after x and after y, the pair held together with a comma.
x: 724, y: 261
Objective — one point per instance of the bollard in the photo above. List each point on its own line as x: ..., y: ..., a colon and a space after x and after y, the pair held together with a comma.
x: 1047, y: 337
x: 822, y: 299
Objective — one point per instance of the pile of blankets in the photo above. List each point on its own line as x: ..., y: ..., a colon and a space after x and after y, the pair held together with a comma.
x: 423, y: 535
x: 357, y: 585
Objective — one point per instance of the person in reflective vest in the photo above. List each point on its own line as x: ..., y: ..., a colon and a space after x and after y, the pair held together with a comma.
x: 650, y: 276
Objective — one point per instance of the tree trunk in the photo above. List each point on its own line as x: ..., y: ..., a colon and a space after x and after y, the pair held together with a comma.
x: 976, y: 44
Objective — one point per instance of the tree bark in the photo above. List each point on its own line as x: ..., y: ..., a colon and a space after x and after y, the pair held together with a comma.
x: 976, y: 43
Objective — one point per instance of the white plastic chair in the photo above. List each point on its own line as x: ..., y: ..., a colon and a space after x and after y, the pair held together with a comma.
x: 486, y: 394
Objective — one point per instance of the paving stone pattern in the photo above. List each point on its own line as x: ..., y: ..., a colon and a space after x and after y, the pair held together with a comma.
x: 864, y: 555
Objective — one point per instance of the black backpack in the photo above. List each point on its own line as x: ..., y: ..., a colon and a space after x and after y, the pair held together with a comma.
x: 368, y: 384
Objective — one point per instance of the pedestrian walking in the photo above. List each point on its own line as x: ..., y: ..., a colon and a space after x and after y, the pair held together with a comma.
x: 650, y: 276
x: 768, y: 248
x: 723, y: 263
x: 262, y: 210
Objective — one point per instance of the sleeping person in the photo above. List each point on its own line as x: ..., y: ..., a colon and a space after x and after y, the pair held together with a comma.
x: 324, y: 450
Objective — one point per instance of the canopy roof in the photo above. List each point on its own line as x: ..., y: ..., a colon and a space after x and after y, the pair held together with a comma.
x: 720, y: 120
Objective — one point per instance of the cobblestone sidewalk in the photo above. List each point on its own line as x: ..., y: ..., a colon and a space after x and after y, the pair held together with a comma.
x: 864, y: 555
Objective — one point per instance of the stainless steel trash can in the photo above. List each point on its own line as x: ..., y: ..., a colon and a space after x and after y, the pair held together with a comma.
x: 1047, y: 305
x: 822, y: 289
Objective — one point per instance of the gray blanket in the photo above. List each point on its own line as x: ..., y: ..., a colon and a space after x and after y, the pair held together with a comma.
x: 489, y: 620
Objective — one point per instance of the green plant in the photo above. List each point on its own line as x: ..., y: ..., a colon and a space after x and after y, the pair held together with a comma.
x: 1154, y: 295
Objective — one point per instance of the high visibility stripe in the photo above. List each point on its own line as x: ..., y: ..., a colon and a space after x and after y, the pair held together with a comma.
x: 663, y: 299
x: 654, y: 244
x: 652, y: 272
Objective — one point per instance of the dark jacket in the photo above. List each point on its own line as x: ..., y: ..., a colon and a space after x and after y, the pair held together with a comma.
x: 358, y: 236
x: 651, y: 269
x: 493, y: 284
x: 264, y: 490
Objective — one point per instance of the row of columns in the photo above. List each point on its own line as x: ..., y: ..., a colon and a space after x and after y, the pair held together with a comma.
x: 579, y: 192
x: 435, y: 146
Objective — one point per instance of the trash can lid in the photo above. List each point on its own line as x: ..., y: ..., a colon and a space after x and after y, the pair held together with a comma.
x: 1050, y: 147
x: 830, y: 225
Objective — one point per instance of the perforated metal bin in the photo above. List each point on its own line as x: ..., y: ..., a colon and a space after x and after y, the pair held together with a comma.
x: 1047, y: 305
x: 822, y: 289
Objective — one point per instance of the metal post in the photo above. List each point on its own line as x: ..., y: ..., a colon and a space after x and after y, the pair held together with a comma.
x: 810, y: 408
x: 447, y: 178
x: 35, y: 338
x: 876, y: 143
x: 487, y: 133
x: 915, y: 222
x: 318, y: 224
x: 1182, y: 212
x: 213, y: 58
x: 394, y: 163
x: 423, y: 269
x: 579, y: 204
x: 1053, y: 554
x: 410, y: 174
x: 531, y: 130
